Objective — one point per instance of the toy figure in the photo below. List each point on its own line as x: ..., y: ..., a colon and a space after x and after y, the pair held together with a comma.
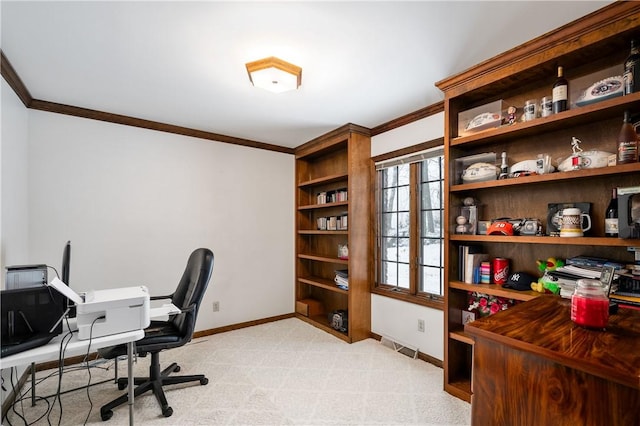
x: 575, y: 145
x: 511, y: 115
x: 544, y: 284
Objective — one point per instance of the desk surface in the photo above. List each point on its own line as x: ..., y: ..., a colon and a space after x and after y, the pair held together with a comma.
x: 51, y: 351
x: 543, y: 326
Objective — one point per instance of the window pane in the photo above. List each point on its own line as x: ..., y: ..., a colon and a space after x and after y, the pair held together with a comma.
x: 431, y: 280
x: 403, y: 174
x: 389, y: 224
x: 403, y: 224
x: 389, y: 273
x: 389, y: 177
x: 431, y: 169
x: 431, y: 195
x: 389, y: 250
x: 431, y: 216
x: 403, y: 275
x: 431, y: 224
x: 390, y: 200
x: 403, y: 249
x: 431, y: 252
x: 403, y: 198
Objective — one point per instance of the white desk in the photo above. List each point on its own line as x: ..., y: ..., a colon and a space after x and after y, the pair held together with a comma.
x: 50, y: 352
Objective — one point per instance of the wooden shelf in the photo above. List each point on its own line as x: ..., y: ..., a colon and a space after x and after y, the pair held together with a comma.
x: 336, y: 161
x: 323, y: 259
x: 322, y: 283
x: 549, y: 178
x: 581, y: 115
x: 528, y: 72
x: 319, y: 232
x: 460, y: 389
x: 521, y: 239
x: 323, y: 180
x: 461, y: 336
x: 322, y: 323
x: 323, y: 206
x: 495, y: 290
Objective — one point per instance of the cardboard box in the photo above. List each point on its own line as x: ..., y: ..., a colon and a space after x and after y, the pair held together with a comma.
x: 309, y: 307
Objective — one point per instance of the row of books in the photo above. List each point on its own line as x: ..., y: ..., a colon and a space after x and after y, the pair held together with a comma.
x: 342, y: 279
x: 325, y: 197
x: 470, y: 260
x: 332, y: 223
x: 625, y: 289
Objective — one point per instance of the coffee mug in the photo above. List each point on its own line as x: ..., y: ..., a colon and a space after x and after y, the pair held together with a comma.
x: 571, y: 223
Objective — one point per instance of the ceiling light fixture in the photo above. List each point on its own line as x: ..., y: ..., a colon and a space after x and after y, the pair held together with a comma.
x: 274, y: 74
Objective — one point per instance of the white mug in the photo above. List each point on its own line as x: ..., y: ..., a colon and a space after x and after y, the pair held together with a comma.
x: 571, y: 223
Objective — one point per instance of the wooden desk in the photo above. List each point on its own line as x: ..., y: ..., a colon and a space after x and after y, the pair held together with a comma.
x: 533, y: 366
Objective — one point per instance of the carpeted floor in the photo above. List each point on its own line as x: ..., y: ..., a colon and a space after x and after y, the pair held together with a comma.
x: 281, y: 373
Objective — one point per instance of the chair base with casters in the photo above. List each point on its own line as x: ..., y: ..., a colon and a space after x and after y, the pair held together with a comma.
x: 165, y: 335
x: 156, y: 380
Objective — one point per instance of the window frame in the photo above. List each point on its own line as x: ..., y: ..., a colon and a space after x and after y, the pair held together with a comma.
x: 411, y: 295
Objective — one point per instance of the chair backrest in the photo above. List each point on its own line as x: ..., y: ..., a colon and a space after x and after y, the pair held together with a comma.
x: 192, y: 286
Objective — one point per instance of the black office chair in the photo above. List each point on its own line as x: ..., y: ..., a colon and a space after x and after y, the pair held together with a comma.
x: 161, y: 335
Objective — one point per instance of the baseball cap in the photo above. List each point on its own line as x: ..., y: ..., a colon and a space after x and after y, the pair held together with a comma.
x: 500, y: 227
x: 520, y: 281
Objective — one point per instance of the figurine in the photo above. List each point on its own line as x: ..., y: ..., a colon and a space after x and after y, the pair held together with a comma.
x: 576, y: 157
x: 511, y: 115
x: 575, y: 145
x: 545, y: 284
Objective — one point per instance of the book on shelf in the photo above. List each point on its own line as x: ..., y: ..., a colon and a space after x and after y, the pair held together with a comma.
x: 593, y: 262
x: 469, y: 260
x: 342, y: 279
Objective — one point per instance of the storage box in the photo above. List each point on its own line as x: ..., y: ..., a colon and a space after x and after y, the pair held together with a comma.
x: 309, y: 307
x: 487, y: 116
x: 460, y: 165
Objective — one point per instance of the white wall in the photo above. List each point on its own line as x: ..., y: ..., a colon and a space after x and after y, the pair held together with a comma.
x: 391, y: 317
x: 14, y: 156
x: 136, y: 202
x: 13, y: 190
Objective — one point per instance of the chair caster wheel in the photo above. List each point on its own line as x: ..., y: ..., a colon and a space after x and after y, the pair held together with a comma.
x: 176, y: 369
x: 204, y: 381
x: 167, y: 412
x: 106, y: 415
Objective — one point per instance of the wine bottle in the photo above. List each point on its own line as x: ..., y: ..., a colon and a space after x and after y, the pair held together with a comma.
x: 560, y: 93
x: 611, y: 216
x: 631, y: 76
x: 504, y: 167
x: 627, y: 142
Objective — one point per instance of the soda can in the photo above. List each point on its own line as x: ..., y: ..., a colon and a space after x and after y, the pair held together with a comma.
x: 500, y: 270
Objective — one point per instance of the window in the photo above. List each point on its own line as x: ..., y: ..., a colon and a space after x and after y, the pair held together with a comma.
x: 409, y: 234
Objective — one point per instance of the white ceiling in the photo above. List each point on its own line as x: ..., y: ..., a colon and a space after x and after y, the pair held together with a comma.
x: 182, y: 63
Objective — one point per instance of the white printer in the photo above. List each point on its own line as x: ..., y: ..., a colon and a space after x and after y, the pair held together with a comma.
x: 113, y: 311
x: 104, y: 312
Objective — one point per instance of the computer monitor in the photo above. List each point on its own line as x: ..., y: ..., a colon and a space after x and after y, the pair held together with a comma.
x: 66, y: 263
x: 66, y: 260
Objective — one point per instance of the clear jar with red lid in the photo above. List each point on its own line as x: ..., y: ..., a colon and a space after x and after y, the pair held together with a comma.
x: 590, y: 304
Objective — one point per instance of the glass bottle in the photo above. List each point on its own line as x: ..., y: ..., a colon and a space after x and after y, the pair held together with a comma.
x: 611, y: 216
x: 504, y: 168
x: 631, y: 76
x: 627, y: 142
x: 560, y: 93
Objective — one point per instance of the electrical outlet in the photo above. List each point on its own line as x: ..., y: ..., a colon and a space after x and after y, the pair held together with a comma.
x: 216, y: 306
x: 421, y: 325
